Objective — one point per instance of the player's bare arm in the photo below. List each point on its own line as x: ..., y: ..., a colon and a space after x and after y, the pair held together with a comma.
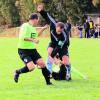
x: 42, y: 29
x: 32, y: 40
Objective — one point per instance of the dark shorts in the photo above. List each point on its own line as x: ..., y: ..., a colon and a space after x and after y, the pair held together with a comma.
x: 62, y: 52
x: 28, y: 55
x: 52, y: 45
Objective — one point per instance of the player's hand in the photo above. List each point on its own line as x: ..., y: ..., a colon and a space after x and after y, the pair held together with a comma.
x: 40, y: 8
x: 36, y: 41
x: 46, y: 26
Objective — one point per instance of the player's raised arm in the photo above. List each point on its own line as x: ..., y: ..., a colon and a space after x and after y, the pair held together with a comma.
x: 42, y: 29
x: 67, y: 36
x: 46, y: 15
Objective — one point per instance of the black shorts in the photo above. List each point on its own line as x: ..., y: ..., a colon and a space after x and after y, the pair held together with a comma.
x: 28, y: 55
x: 62, y: 52
x: 53, y: 45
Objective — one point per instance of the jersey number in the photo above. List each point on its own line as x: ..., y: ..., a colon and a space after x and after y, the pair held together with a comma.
x: 33, y: 35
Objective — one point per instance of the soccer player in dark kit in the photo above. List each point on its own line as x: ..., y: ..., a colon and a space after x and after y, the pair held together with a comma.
x: 27, y: 50
x: 59, y: 41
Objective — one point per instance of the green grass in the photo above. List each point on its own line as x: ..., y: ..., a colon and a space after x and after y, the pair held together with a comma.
x: 84, y: 56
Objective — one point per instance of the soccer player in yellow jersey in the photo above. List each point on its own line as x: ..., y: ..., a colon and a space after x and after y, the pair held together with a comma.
x: 27, y: 50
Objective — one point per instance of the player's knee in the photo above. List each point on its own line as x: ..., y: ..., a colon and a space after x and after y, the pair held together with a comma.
x: 41, y: 63
x: 31, y: 66
x: 65, y: 62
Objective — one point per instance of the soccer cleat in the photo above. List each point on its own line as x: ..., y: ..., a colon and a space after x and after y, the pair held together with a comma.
x: 70, y: 79
x: 49, y: 83
x: 16, y: 76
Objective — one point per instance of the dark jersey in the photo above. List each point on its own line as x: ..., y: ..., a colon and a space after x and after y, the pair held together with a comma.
x: 55, y: 38
x: 86, y: 26
x: 68, y: 27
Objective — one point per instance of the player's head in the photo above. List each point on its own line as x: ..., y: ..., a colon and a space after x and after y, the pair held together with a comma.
x: 59, y: 27
x: 34, y: 19
x: 90, y: 19
x: 68, y: 21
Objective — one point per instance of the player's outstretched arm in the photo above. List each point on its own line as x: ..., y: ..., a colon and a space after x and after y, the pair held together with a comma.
x: 42, y: 29
x: 45, y: 15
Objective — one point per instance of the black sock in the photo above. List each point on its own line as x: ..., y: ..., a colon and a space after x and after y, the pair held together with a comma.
x: 23, y: 70
x: 46, y: 74
x: 62, y: 72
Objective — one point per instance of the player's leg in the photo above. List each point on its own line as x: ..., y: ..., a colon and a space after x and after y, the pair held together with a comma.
x: 27, y: 68
x: 45, y: 71
x: 50, y: 59
x: 66, y: 63
x: 52, y: 52
x: 64, y: 56
x: 65, y: 67
x: 39, y: 61
x: 85, y: 33
x: 29, y: 64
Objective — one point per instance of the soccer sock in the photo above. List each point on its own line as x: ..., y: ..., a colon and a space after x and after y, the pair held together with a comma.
x: 62, y: 72
x: 68, y: 69
x: 23, y: 70
x: 49, y: 65
x: 46, y: 74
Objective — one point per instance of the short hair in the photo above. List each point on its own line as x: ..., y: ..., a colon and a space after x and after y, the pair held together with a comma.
x: 60, y: 24
x: 33, y: 16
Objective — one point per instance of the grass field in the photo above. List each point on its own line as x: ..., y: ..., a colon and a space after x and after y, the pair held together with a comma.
x: 84, y: 56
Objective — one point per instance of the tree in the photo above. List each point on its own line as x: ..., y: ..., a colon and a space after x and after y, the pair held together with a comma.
x: 25, y: 8
x: 73, y: 9
x: 97, y: 5
x: 96, y: 2
x: 13, y: 11
x: 9, y: 12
